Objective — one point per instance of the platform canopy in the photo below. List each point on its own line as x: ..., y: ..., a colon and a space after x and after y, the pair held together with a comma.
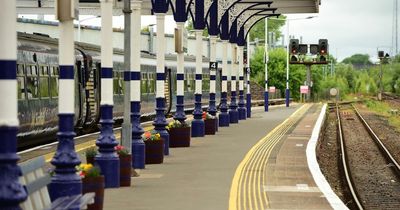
x: 92, y: 7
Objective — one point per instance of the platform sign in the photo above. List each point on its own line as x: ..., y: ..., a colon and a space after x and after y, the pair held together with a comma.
x: 272, y: 89
x: 304, y: 89
x: 213, y: 66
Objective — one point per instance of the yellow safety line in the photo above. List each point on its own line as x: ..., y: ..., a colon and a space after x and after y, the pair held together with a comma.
x: 234, y: 200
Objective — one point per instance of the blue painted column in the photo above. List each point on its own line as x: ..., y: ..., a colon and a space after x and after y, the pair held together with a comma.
x: 224, y: 115
x: 66, y: 182
x: 233, y: 112
x: 212, y: 109
x: 248, y: 95
x: 242, y: 108
x: 138, y: 146
x: 180, y: 70
x: 180, y: 17
x: 266, y: 94
x: 198, y: 129
x: 107, y: 159
x: 198, y: 122
x: 11, y: 191
x: 160, y: 121
x: 287, y: 92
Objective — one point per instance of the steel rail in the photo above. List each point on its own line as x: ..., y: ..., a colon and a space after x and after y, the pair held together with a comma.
x: 345, y: 164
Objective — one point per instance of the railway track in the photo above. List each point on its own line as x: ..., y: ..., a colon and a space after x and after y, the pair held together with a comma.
x: 371, y: 172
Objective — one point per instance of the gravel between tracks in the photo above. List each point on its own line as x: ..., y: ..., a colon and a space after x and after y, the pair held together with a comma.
x: 329, y: 160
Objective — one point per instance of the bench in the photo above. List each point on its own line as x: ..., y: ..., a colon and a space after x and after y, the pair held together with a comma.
x: 36, y: 181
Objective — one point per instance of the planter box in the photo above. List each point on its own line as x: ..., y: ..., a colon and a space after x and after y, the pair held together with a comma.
x: 179, y: 137
x: 125, y: 172
x: 154, y: 151
x: 96, y: 185
x: 210, y: 126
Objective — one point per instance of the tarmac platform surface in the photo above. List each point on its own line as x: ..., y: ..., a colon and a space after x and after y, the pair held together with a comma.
x: 259, y: 163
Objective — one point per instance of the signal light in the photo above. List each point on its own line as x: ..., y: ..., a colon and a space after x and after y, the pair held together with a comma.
x: 314, y: 49
x: 303, y: 49
x: 294, y: 46
x: 323, y: 46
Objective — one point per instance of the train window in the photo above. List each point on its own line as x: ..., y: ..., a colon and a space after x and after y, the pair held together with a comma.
x: 206, y: 82
x: 54, y: 81
x: 185, y: 82
x: 32, y: 82
x: 44, y: 82
x: 117, y: 83
x: 152, y: 83
x: 20, y: 69
x: 143, y: 83
x: 21, y: 87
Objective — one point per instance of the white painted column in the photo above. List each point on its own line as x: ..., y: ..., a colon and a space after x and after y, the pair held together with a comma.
x: 248, y: 64
x: 199, y: 61
x: 66, y: 103
x: 138, y: 146
x: 107, y: 159
x: 224, y: 65
x: 160, y: 92
x: 180, y: 69
x: 233, y: 67
x: 240, y: 69
x: 8, y: 54
x: 106, y: 53
x: 213, y: 58
x: 135, y: 51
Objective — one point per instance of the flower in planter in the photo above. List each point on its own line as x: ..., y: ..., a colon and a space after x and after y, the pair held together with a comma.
x: 207, y: 116
x: 121, y: 150
x: 88, y: 170
x: 91, y: 152
x: 177, y: 124
x: 151, y: 136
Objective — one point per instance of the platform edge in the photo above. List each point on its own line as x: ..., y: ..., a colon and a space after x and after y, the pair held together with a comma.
x: 319, y: 178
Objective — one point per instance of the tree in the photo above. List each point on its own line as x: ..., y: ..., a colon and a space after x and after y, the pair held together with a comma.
x: 277, y: 71
x: 190, y: 27
x: 358, y: 60
x: 258, y: 30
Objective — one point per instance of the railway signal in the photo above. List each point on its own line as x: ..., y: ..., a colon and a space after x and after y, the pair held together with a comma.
x: 323, y: 49
x: 294, y: 49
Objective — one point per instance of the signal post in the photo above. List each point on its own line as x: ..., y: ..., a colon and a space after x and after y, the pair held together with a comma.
x: 320, y: 49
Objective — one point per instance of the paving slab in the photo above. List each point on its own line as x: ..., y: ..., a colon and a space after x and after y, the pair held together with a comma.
x: 198, y: 177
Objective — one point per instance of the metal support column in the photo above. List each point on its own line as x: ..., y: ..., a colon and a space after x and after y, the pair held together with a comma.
x: 308, y: 83
x: 180, y: 72
x: 198, y: 122
x: 107, y: 159
x: 223, y: 115
x: 287, y: 94
x: 160, y: 121
x: 242, y: 108
x: 138, y: 146
x: 66, y: 182
x: 212, y: 109
x: 11, y: 191
x: 233, y: 112
x: 248, y: 96
x: 126, y: 139
x: 266, y: 58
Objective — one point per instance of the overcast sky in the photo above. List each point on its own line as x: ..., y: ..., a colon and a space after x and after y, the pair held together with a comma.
x: 351, y: 26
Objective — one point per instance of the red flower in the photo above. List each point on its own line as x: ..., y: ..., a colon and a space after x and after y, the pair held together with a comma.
x: 147, y: 134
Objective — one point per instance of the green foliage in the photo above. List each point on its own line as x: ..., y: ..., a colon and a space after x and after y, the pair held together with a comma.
x: 190, y: 27
x: 258, y: 30
x: 358, y: 60
x: 277, y: 71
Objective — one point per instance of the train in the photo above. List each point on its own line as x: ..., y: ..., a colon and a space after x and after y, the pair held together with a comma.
x: 37, y: 78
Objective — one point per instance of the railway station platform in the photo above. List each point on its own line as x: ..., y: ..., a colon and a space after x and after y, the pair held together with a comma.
x: 260, y: 163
